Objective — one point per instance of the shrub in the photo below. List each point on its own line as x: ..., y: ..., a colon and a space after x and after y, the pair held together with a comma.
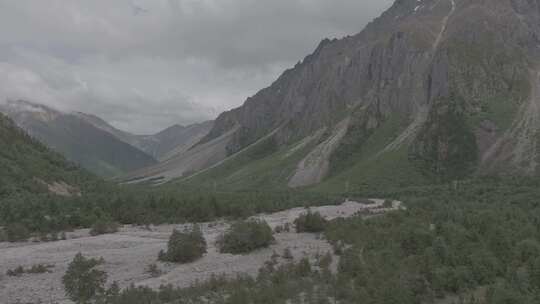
x: 39, y: 268
x: 303, y: 269
x: 153, y: 270
x: 325, y: 261
x: 310, y: 222
x: 184, y: 247
x: 35, y: 269
x: 82, y: 281
x: 16, y: 232
x: 287, y: 227
x: 287, y: 254
x: 103, y: 227
x: 15, y: 272
x: 246, y: 236
x: 3, y: 235
x: 282, y: 229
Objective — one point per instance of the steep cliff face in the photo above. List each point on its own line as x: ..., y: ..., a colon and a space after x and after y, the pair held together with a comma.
x: 380, y: 68
x: 490, y: 56
x: 443, y: 88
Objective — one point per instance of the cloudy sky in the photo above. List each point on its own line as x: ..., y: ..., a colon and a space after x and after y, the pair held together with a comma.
x: 146, y: 64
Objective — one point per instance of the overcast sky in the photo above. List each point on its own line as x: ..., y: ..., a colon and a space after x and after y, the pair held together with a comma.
x: 144, y: 65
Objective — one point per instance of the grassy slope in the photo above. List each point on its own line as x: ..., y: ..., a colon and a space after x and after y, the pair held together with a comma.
x: 263, y: 166
x: 266, y: 167
x: 94, y: 149
x: 369, y: 170
x: 359, y: 166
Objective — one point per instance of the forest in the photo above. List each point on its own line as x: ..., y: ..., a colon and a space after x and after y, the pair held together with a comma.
x: 468, y: 242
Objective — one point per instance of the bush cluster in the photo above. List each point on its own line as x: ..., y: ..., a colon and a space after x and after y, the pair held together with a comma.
x: 310, y: 222
x: 153, y: 270
x: 35, y: 269
x: 184, y: 247
x: 16, y: 232
x: 103, y: 226
x: 246, y: 236
x: 83, y: 281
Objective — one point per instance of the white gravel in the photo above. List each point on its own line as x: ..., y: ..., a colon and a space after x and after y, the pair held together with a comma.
x: 129, y: 252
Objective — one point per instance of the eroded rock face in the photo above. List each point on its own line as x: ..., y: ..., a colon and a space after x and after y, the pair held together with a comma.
x: 60, y: 188
x: 385, y: 66
x: 314, y: 167
x: 408, y: 68
x: 472, y: 54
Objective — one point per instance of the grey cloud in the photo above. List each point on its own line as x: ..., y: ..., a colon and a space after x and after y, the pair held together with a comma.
x: 146, y: 64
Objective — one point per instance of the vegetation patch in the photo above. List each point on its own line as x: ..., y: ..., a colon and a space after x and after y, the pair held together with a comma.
x: 446, y: 146
x: 35, y: 269
x: 375, y: 176
x: 153, y: 270
x: 184, y: 247
x: 360, y: 143
x: 310, y: 222
x: 263, y: 166
x: 16, y: 232
x: 104, y: 226
x: 245, y: 237
x: 83, y: 282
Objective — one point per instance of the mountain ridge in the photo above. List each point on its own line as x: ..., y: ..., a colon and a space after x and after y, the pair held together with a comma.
x: 438, y: 90
x: 28, y: 168
x: 310, y: 97
x: 93, y: 148
x: 399, y: 67
x: 162, y: 145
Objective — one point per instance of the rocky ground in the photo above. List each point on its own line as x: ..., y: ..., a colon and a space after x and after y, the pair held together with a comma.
x: 129, y: 252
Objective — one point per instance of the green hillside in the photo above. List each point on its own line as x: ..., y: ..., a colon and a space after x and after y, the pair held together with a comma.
x: 262, y: 166
x: 26, y: 166
x: 39, y: 189
x: 28, y: 170
x: 92, y: 148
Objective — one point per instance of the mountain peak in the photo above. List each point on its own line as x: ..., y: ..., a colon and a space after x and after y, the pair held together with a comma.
x: 24, y: 108
x: 439, y: 87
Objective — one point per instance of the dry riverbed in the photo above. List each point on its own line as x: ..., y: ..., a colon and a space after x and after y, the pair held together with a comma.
x: 128, y: 253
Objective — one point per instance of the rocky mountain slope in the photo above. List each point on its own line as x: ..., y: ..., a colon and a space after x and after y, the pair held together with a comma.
x: 81, y: 142
x: 162, y: 145
x: 430, y: 90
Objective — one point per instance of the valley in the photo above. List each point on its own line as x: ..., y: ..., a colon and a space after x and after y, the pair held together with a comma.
x: 129, y: 252
x: 433, y: 108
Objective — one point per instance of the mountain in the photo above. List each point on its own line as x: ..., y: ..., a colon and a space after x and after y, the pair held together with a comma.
x: 432, y: 90
x: 162, y: 145
x: 27, y: 167
x: 177, y: 139
x: 81, y: 142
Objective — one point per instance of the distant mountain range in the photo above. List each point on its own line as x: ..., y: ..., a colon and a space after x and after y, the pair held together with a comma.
x: 95, y: 144
x: 432, y: 90
x: 162, y: 145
